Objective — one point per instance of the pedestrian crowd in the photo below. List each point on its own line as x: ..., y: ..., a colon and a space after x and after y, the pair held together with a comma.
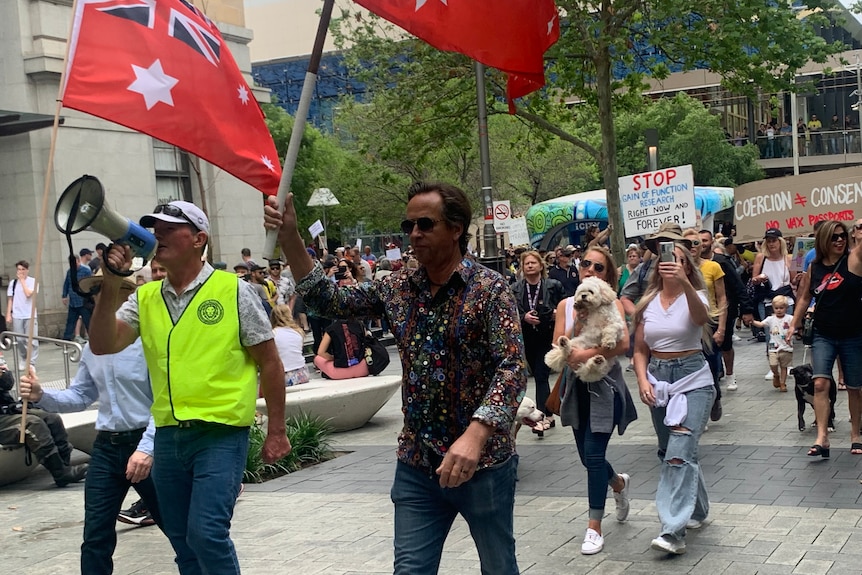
x: 190, y: 347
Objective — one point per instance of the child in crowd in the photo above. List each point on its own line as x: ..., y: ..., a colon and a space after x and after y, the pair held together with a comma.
x: 780, y: 351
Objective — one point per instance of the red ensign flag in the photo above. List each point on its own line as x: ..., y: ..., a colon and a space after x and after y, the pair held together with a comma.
x: 511, y: 36
x: 162, y: 68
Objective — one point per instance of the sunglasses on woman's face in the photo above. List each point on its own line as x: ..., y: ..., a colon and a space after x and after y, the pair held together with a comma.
x: 858, y: 227
x: 839, y: 237
x: 585, y: 264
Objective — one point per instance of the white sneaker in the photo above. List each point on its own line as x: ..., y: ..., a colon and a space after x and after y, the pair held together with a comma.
x: 668, y: 544
x: 731, y: 385
x: 735, y: 337
x: 769, y: 376
x: 695, y: 524
x: 622, y: 499
x: 593, y: 543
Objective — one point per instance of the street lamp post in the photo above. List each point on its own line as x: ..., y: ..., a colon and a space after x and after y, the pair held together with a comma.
x: 651, y: 139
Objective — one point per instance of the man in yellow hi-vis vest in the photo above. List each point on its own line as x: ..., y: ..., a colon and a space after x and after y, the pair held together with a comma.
x: 205, y: 334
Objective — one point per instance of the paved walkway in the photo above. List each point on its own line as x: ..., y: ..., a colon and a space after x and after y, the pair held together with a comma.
x: 774, y: 510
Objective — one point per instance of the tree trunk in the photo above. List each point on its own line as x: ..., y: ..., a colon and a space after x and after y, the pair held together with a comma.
x: 608, y: 155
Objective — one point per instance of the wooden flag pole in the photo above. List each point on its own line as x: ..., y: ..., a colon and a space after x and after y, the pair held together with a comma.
x: 43, y: 218
x: 269, y: 248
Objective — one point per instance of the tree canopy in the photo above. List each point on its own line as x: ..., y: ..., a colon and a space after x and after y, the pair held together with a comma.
x: 596, y: 72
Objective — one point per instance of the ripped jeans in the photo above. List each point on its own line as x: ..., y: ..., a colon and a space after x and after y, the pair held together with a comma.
x: 681, y: 493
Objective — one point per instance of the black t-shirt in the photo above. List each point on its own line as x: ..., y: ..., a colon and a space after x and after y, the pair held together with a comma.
x: 839, y: 300
x: 347, y: 346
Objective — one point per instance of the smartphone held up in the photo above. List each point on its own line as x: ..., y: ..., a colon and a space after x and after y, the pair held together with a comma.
x: 666, y: 252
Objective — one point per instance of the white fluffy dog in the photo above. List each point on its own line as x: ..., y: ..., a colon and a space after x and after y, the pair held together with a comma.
x: 603, y: 327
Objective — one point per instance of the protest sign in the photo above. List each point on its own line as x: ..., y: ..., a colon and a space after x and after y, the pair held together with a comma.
x: 649, y: 199
x: 794, y: 203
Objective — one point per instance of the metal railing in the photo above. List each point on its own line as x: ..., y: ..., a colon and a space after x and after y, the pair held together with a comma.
x: 10, y: 340
x: 811, y: 143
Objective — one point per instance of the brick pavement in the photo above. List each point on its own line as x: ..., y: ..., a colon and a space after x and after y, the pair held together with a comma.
x: 774, y: 510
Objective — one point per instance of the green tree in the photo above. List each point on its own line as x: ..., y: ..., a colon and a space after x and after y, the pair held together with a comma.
x: 689, y: 134
x: 324, y: 162
x: 752, y: 45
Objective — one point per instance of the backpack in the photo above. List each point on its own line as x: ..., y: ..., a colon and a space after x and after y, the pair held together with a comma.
x: 376, y: 355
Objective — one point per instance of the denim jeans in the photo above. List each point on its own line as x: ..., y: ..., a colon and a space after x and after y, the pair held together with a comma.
x: 72, y: 316
x: 104, y: 490
x: 592, y: 449
x: 22, y: 325
x: 825, y: 350
x: 424, y: 512
x: 198, y: 472
x: 681, y: 493
x: 714, y: 358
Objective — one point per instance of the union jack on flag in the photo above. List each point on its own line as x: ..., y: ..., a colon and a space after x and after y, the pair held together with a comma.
x: 161, y: 67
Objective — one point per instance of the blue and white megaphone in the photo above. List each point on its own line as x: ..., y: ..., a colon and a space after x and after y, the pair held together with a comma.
x: 82, y: 207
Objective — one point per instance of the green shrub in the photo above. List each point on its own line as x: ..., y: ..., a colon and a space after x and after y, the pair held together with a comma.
x: 310, y: 442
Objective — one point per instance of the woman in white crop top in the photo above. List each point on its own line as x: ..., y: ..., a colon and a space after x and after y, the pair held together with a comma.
x: 669, y: 331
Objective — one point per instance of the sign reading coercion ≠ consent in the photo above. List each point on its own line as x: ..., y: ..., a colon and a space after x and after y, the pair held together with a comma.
x: 794, y: 204
x: 649, y: 199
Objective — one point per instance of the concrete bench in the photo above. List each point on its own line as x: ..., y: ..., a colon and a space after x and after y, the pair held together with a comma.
x: 346, y: 403
x: 80, y: 426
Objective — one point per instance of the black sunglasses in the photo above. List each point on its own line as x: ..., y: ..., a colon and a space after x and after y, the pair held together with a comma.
x: 174, y: 212
x: 858, y: 227
x: 425, y: 225
x: 585, y: 264
x: 841, y: 236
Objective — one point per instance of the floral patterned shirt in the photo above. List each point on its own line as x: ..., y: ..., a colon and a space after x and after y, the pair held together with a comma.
x: 461, y: 353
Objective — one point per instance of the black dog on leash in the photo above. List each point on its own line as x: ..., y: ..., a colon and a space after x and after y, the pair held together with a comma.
x: 805, y: 393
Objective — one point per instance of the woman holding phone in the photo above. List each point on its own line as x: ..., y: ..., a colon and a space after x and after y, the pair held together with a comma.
x: 675, y: 381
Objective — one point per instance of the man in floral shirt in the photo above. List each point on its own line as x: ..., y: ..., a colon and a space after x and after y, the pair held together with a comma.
x: 457, y: 330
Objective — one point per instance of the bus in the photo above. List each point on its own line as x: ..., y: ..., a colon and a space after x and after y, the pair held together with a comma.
x: 565, y: 220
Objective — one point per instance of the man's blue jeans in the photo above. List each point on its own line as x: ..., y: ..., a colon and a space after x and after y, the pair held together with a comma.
x: 72, y: 316
x: 104, y: 490
x: 424, y: 513
x: 198, y: 472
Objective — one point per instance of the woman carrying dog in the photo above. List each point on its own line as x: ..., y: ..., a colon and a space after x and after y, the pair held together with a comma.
x: 537, y: 297
x: 834, y: 280
x: 593, y: 409
x: 675, y: 381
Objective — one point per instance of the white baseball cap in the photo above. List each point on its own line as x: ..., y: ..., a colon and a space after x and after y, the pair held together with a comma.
x: 178, y: 212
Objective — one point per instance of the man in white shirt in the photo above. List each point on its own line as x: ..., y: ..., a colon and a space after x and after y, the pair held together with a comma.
x: 20, y: 302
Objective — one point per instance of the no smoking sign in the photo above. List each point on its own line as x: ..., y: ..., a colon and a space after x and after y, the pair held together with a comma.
x: 502, y: 216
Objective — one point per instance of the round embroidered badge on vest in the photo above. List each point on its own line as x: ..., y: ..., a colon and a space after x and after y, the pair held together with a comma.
x: 210, y: 312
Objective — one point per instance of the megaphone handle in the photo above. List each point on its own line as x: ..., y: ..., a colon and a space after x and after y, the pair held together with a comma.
x: 113, y: 270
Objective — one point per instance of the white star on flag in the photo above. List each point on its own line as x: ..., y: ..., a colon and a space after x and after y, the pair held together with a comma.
x: 421, y: 3
x: 153, y: 84
x: 242, y: 92
x: 268, y: 163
